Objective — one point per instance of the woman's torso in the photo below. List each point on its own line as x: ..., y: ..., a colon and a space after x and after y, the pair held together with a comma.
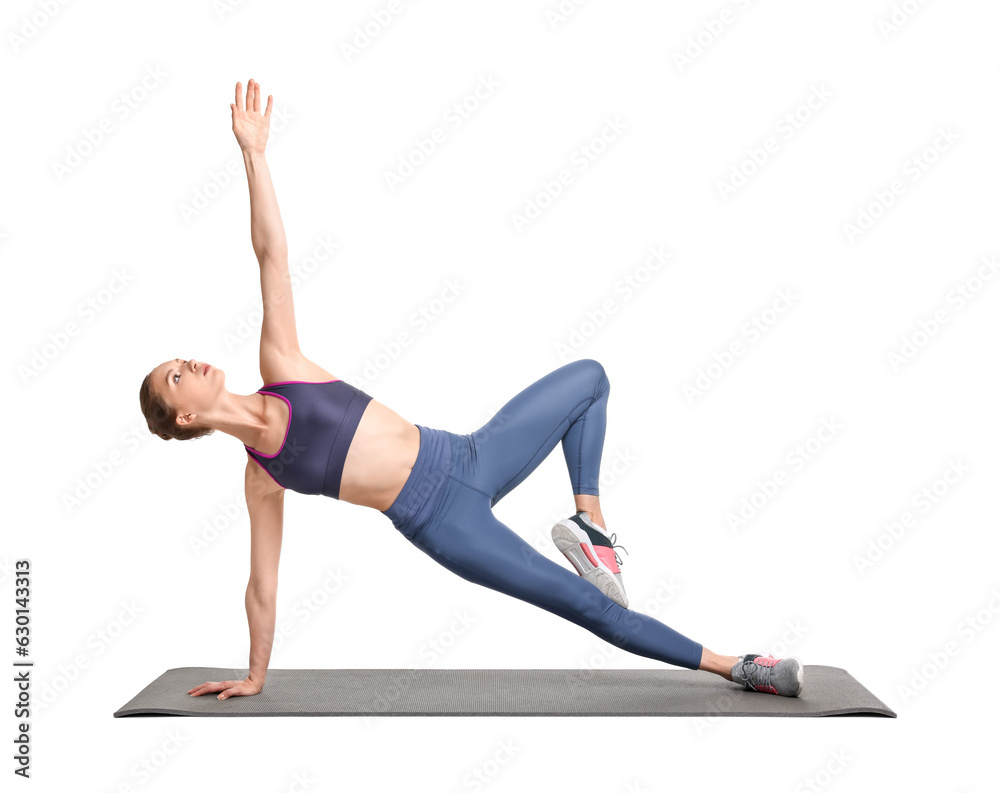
x: 379, y: 455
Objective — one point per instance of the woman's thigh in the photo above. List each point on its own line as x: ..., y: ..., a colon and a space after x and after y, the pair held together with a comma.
x: 464, y: 536
x: 522, y: 433
x: 468, y: 539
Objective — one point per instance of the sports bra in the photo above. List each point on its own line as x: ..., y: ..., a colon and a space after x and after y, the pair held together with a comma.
x: 322, y: 420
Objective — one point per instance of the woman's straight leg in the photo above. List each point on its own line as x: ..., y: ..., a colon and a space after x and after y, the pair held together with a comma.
x: 568, y: 404
x: 467, y: 538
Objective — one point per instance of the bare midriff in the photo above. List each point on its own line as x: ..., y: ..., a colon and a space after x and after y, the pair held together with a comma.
x: 380, y: 458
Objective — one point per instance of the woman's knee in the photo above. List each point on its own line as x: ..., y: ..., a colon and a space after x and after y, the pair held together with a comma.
x: 593, y: 370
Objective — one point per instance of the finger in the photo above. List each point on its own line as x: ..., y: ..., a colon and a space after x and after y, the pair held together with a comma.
x: 206, y: 687
x: 250, y: 85
x: 239, y: 94
x: 267, y: 110
x: 256, y: 97
x: 220, y: 686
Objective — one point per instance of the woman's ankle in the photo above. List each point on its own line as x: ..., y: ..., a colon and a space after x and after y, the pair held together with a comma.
x: 721, y: 665
x: 592, y: 506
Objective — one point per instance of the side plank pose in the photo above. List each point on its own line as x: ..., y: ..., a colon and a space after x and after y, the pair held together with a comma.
x: 308, y: 431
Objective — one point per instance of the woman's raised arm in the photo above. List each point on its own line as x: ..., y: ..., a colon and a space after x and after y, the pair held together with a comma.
x: 279, y: 341
x: 251, y: 127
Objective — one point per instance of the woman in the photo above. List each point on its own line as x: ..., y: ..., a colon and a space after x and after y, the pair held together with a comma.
x: 309, y: 431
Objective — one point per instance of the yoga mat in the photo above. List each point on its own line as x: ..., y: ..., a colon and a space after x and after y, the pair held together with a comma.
x: 827, y: 691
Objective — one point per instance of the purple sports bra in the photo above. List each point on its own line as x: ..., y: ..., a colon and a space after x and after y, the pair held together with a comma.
x: 322, y: 420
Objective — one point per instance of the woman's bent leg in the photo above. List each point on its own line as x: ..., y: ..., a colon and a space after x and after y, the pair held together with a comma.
x: 568, y: 404
x: 467, y: 538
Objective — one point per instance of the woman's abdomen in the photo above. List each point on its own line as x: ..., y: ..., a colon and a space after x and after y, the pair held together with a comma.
x: 380, y: 457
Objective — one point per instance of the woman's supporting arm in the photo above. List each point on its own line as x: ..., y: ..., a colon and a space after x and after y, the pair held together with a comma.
x: 266, y: 508
x: 261, y: 617
x: 261, y: 605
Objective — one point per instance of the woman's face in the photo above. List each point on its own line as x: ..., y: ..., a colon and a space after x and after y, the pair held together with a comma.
x: 188, y: 385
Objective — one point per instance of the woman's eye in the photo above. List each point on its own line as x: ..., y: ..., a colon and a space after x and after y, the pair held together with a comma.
x: 176, y: 375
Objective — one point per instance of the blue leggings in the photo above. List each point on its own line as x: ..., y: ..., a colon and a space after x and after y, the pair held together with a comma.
x: 445, y: 506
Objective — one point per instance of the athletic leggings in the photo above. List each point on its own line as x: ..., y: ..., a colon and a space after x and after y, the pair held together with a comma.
x: 445, y: 506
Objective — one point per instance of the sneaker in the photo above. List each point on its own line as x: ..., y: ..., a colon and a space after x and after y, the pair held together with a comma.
x: 591, y: 551
x: 774, y: 675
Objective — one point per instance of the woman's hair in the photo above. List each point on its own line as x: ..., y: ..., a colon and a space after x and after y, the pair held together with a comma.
x: 161, y: 418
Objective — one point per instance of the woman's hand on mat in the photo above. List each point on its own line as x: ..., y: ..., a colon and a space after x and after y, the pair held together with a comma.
x: 229, y: 688
x: 249, y: 125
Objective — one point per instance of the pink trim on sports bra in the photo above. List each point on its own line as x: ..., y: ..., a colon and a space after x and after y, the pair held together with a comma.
x: 307, y: 382
x: 287, y: 428
x: 266, y: 471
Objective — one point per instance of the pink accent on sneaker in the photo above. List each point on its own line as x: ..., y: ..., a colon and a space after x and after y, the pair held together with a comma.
x: 590, y: 557
x: 607, y: 555
x: 769, y: 661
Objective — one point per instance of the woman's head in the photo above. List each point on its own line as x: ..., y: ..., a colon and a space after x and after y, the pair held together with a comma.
x: 175, y: 394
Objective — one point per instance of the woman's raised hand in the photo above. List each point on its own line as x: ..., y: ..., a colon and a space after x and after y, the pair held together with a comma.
x: 229, y: 688
x: 249, y: 125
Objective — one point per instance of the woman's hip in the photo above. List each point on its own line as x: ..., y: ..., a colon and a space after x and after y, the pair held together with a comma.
x: 442, y: 458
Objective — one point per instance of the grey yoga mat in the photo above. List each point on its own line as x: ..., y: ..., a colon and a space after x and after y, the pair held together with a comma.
x: 827, y: 691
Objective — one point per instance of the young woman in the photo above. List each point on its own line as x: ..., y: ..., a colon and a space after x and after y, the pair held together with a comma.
x: 309, y: 431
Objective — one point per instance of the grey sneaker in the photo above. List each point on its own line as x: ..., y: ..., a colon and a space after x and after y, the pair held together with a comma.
x: 766, y: 673
x: 592, y: 552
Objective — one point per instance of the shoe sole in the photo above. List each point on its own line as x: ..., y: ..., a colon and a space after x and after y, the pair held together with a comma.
x: 568, y: 542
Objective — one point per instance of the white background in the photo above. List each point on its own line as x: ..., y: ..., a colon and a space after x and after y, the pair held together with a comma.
x: 109, y: 515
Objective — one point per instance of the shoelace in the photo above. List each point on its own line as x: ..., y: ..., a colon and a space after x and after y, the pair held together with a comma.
x: 760, y: 671
x: 618, y: 560
x: 613, y: 536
